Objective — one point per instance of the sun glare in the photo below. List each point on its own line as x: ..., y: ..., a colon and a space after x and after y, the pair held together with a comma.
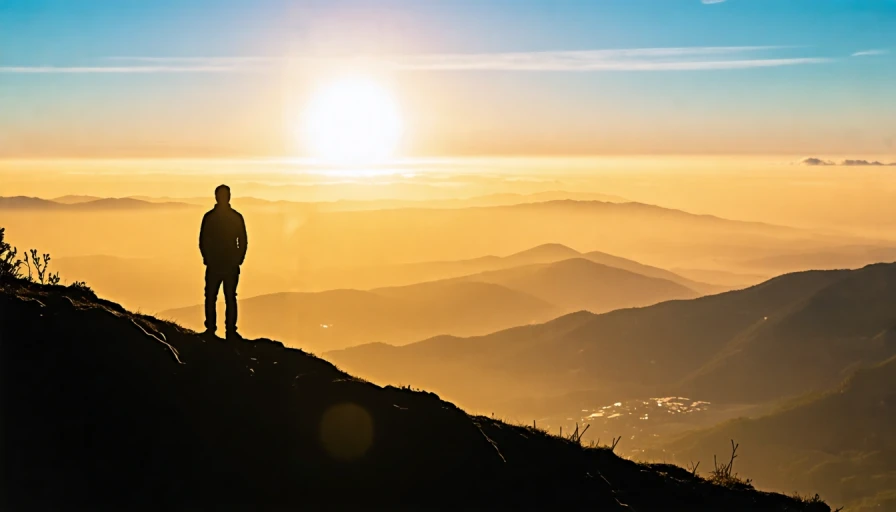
x: 352, y: 121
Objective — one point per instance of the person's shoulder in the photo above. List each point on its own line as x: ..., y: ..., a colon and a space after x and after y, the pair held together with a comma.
x: 209, y: 213
x: 236, y: 213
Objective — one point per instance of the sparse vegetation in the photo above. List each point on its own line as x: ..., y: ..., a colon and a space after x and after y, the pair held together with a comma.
x: 41, y: 263
x: 10, y: 265
x: 611, y: 445
x: 813, y: 500
x: 808, y: 499
x: 576, y: 435
x: 724, y: 474
x: 692, y: 467
x: 36, y: 264
x: 82, y: 286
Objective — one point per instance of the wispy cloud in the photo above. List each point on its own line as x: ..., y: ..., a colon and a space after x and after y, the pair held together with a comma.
x: 116, y: 69
x: 142, y: 65
x: 867, y: 53
x: 635, y: 59
x: 220, y: 61
x: 816, y: 161
x: 813, y: 161
x: 712, y: 1
x: 642, y: 59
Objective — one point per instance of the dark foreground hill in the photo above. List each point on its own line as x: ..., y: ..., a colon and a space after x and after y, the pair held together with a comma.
x: 105, y: 409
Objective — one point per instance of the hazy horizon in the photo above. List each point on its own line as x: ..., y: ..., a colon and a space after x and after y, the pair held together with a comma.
x: 793, y: 194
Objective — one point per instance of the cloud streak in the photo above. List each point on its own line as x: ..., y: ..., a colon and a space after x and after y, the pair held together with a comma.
x: 868, y: 53
x: 813, y: 161
x: 36, y: 70
x: 636, y: 59
x: 582, y: 63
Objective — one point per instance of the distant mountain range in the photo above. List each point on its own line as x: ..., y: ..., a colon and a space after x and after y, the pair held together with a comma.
x: 646, y: 233
x: 335, y: 239
x: 156, y: 284
x: 379, y: 204
x: 788, y: 336
x: 401, y: 274
x: 341, y: 318
x: 469, y: 305
x: 340, y: 205
x: 306, y: 243
x: 850, y: 256
x: 580, y: 284
x: 84, y: 203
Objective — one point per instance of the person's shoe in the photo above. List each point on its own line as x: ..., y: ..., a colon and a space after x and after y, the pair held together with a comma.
x: 234, y: 336
x: 209, y: 334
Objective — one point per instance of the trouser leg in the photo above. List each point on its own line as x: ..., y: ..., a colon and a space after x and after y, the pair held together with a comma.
x: 212, y: 284
x: 231, y: 280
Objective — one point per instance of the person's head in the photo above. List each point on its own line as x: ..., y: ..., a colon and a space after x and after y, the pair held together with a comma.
x: 222, y: 195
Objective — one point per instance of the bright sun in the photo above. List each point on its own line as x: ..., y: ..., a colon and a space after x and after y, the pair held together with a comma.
x: 352, y: 121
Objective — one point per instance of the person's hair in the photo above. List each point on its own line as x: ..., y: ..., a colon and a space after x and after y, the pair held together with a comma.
x: 221, y: 188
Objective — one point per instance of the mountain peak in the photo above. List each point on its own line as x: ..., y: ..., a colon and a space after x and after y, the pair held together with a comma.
x: 545, y: 253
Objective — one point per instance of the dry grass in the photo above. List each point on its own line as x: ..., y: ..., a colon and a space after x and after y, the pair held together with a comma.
x: 724, y: 474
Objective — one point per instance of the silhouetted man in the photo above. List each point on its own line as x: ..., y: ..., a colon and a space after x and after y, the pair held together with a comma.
x: 222, y: 242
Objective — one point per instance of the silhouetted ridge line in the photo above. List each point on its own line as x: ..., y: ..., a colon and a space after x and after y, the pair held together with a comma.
x: 75, y: 203
x: 633, y: 205
x: 97, y: 414
x: 785, y: 337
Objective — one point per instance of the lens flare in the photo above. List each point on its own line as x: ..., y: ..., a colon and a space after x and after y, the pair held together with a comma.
x: 346, y: 431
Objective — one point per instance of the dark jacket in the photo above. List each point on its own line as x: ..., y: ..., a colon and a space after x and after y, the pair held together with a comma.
x: 222, y: 238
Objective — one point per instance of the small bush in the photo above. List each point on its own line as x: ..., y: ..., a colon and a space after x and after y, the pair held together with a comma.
x: 815, y: 500
x: 576, y: 435
x: 725, y: 476
x: 40, y: 268
x: 809, y: 500
x: 37, y: 265
x: 10, y: 265
x: 81, y: 286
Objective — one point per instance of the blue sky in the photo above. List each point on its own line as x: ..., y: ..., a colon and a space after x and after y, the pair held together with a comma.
x: 224, y: 77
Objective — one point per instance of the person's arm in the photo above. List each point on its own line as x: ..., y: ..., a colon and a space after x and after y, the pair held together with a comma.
x: 202, y: 239
x: 243, y: 240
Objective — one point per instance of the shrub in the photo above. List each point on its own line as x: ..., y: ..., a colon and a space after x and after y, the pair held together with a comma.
x: 81, y: 286
x: 40, y: 268
x: 724, y: 475
x: 10, y: 265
